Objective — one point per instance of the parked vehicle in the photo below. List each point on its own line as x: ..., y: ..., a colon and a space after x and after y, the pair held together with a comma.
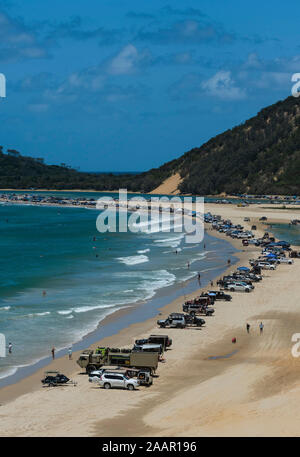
x: 144, y: 376
x: 149, y: 348
x: 285, y: 260
x: 164, y: 340
x: 266, y: 265
x: 180, y: 320
x: 119, y: 381
x: 196, y: 308
x: 190, y: 319
x: 238, y: 286
x: 220, y: 295
x: 134, y: 359
x: 54, y: 378
x: 176, y: 322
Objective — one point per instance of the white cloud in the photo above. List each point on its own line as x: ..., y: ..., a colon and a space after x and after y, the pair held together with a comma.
x: 222, y: 85
x: 124, y: 62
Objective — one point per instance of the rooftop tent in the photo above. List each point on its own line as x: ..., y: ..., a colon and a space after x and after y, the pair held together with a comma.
x: 243, y: 269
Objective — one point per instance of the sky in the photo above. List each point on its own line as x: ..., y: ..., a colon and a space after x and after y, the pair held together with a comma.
x: 115, y: 85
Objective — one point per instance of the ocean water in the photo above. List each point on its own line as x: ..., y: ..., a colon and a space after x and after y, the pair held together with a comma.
x: 286, y: 232
x: 59, y: 277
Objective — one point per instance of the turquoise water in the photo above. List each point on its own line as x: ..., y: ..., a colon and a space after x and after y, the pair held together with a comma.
x: 59, y: 277
x: 290, y: 233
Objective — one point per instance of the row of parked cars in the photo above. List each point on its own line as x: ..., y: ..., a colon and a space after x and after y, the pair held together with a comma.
x: 136, y: 373
x: 133, y: 367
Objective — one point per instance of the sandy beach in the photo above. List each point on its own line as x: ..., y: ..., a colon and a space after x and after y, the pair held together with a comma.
x: 207, y: 387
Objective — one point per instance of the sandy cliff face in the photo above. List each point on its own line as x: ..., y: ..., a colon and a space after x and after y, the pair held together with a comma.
x: 169, y: 186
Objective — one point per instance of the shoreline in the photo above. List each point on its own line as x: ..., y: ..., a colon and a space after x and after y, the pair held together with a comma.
x: 263, y: 376
x: 122, y: 318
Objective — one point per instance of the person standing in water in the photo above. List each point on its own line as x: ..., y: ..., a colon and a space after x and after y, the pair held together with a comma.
x: 70, y: 353
x: 53, y: 353
x: 9, y: 348
x: 199, y: 278
x: 188, y: 265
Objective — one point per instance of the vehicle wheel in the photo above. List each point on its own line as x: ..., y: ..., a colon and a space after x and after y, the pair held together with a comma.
x: 107, y: 385
x: 90, y: 368
x: 232, y: 289
x: 247, y: 290
x: 130, y: 387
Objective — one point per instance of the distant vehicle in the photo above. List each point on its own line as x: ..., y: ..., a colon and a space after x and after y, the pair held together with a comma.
x: 245, y: 243
x: 246, y: 219
x: 266, y: 265
x: 164, y: 340
x: 119, y: 381
x: 220, y: 295
x: 149, y: 348
x: 285, y: 260
x: 178, y: 322
x: 144, y: 376
x: 238, y: 286
x: 197, y: 308
x: 263, y: 218
x: 54, y: 378
x: 92, y: 361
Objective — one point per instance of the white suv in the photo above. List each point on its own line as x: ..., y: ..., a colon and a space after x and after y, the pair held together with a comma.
x: 109, y: 380
x: 266, y: 266
x: 239, y: 286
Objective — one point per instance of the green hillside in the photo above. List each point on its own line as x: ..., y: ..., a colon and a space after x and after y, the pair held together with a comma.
x: 261, y: 156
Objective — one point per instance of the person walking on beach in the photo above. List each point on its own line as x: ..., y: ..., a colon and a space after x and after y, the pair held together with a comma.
x: 70, y: 353
x: 9, y: 348
x: 211, y: 283
x: 248, y: 328
x: 261, y: 328
x: 228, y: 262
x: 53, y: 353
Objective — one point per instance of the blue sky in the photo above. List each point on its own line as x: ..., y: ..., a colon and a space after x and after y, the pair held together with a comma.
x: 118, y: 85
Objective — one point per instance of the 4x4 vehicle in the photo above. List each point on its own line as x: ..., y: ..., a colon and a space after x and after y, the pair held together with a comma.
x: 196, y: 308
x: 172, y: 322
x: 148, y: 347
x: 144, y: 376
x: 120, y: 381
x: 54, y: 378
x: 238, y: 286
x: 185, y: 319
x: 237, y: 278
x: 285, y: 260
x: 266, y: 265
x: 190, y: 319
x: 220, y: 295
x: 164, y: 340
